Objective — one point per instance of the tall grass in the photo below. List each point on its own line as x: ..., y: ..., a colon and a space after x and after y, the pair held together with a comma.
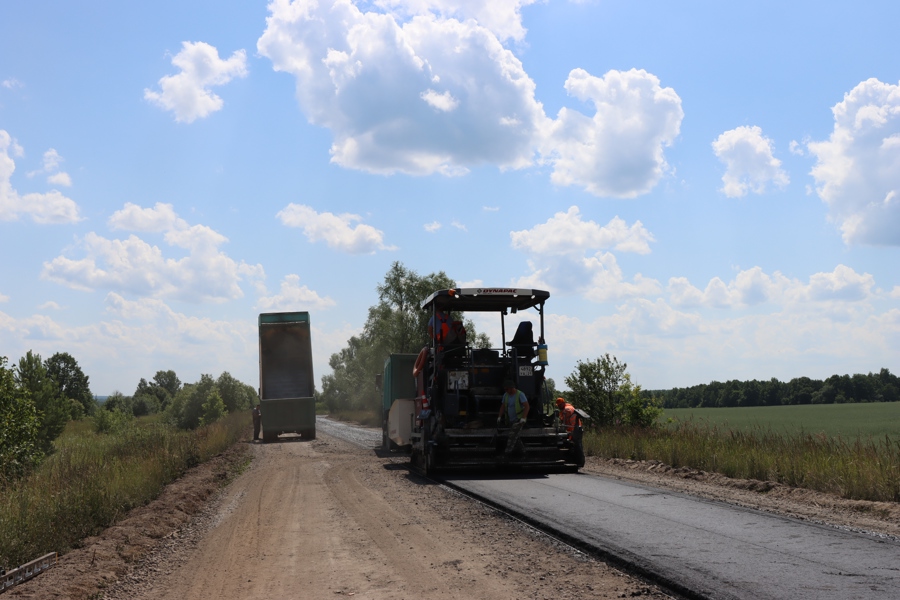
x: 861, y: 469
x: 93, y: 479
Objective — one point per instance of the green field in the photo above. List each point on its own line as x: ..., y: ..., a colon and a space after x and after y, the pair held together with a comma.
x: 849, y: 421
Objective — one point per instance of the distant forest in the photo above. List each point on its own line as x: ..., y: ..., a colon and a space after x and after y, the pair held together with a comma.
x: 837, y: 389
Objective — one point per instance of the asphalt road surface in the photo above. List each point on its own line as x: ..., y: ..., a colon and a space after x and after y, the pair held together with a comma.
x: 712, y: 549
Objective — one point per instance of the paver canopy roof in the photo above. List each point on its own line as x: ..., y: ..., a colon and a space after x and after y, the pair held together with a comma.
x: 485, y: 299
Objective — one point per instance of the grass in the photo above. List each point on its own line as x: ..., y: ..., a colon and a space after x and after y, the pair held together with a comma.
x: 92, y: 480
x: 859, y: 420
x: 862, y: 468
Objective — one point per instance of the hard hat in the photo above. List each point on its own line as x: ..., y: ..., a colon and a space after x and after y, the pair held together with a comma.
x: 560, y: 402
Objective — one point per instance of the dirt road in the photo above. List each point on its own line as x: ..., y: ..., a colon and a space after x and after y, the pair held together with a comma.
x: 326, y: 519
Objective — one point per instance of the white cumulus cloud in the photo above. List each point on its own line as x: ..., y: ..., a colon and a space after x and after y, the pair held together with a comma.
x: 337, y: 231
x: 409, y: 88
x: 45, y: 208
x: 568, y: 255
x: 158, y: 219
x: 618, y: 151
x: 857, y: 169
x: 502, y: 17
x: 187, y: 93
x: 567, y: 233
x: 753, y: 286
x: 293, y: 297
x: 135, y: 266
x: 749, y: 163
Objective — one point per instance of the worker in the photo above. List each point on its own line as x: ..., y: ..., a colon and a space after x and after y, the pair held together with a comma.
x: 257, y: 421
x: 571, y: 420
x: 439, y: 326
x: 514, y: 407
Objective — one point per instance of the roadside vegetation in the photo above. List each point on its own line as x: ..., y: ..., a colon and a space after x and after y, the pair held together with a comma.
x: 66, y: 478
x: 863, y: 468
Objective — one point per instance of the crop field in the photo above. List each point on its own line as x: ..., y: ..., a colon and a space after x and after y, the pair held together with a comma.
x: 848, y: 421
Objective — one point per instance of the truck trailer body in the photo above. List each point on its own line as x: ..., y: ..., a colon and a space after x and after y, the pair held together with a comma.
x: 458, y: 389
x: 286, y: 384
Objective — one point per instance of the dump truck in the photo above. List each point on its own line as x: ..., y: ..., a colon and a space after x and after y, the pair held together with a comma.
x: 286, y: 384
x: 446, y: 415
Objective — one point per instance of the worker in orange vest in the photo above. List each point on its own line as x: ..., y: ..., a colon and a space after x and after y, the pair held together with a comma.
x: 571, y: 420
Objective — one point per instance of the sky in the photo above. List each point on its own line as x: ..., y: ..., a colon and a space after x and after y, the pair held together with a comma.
x: 708, y: 190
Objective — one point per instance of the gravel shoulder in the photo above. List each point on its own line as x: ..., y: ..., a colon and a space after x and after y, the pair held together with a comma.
x: 325, y: 518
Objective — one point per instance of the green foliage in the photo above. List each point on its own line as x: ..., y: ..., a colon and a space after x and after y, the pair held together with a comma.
x: 395, y: 324
x: 594, y: 387
x: 120, y: 402
x: 213, y: 408
x: 71, y: 383
x: 112, y: 421
x: 837, y: 389
x: 94, y: 479
x: 154, y: 396
x: 145, y: 404
x: 53, y: 408
x: 859, y: 419
x: 861, y: 468
x: 186, y: 408
x: 235, y: 395
x: 19, y: 423
x: 604, y: 389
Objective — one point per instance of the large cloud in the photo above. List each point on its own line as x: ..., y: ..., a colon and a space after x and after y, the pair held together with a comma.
x: 44, y: 208
x: 427, y: 86
x: 568, y: 255
x: 335, y: 230
x: 187, y: 94
x: 502, y: 17
x: 858, y: 168
x: 431, y: 94
x: 294, y: 296
x: 752, y: 287
x: 619, y: 151
x: 135, y: 266
x: 749, y: 164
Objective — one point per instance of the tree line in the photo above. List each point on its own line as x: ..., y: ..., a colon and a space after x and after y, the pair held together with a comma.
x: 39, y: 397
x: 188, y: 405
x: 837, y: 389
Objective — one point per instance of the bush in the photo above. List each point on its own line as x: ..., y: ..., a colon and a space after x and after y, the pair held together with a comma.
x: 112, y: 421
x: 604, y: 389
x: 19, y: 449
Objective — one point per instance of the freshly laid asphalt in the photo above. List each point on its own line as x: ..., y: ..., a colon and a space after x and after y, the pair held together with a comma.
x: 709, y: 549
x: 702, y: 548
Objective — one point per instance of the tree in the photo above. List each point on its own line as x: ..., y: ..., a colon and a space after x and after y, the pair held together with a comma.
x: 53, y: 408
x: 213, y: 408
x: 235, y: 395
x: 168, y: 381
x: 594, y: 386
x: 119, y: 402
x: 396, y: 324
x: 157, y: 394
x: 189, y: 402
x: 19, y: 449
x: 71, y: 381
x: 604, y: 389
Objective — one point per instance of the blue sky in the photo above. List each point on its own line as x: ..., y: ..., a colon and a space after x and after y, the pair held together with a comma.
x: 708, y: 190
